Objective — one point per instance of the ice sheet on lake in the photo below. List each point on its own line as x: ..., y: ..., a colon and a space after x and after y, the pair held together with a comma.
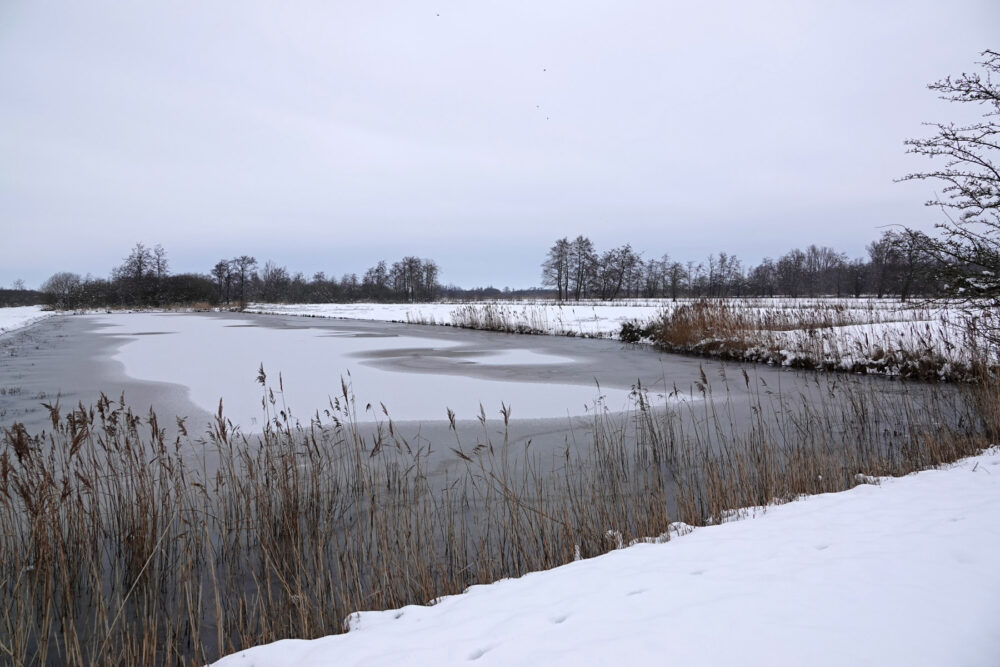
x: 218, y: 358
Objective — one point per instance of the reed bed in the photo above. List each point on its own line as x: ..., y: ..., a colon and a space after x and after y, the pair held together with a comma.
x: 938, y: 346
x: 937, y: 341
x: 119, y: 547
x: 508, y: 318
x: 916, y: 341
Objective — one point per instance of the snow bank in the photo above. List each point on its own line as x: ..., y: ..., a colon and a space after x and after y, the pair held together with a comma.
x: 19, y: 317
x: 605, y: 318
x: 901, y: 573
x: 595, y: 319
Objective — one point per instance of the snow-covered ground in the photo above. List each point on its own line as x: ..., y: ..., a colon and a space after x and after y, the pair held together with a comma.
x: 19, y: 317
x: 600, y: 318
x: 900, y: 573
x: 584, y: 319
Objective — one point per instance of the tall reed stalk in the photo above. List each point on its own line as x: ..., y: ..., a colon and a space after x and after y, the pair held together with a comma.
x: 120, y: 546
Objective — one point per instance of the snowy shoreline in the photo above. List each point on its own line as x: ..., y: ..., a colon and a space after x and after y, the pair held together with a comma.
x: 898, y: 573
x: 879, y: 336
x: 19, y: 317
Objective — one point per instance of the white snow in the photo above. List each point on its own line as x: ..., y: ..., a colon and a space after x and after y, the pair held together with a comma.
x: 604, y: 318
x: 217, y: 358
x: 379, y: 312
x: 900, y: 573
x: 592, y: 318
x: 19, y: 317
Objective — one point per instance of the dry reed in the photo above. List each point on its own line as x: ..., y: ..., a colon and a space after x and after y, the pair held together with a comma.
x: 117, y: 549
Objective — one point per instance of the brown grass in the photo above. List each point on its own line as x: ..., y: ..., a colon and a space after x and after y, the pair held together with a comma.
x: 118, y: 548
x: 924, y: 342
x: 728, y: 330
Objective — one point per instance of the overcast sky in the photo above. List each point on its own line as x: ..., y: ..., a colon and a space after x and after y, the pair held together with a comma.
x: 328, y: 135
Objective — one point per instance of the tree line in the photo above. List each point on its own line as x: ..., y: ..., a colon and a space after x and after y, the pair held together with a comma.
x: 19, y: 295
x: 897, y: 264
x: 960, y: 262
x: 411, y: 279
x: 143, y: 279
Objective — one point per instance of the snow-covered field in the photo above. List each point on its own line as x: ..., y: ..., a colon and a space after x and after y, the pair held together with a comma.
x: 592, y: 318
x: 899, y: 573
x: 19, y: 317
x: 597, y: 318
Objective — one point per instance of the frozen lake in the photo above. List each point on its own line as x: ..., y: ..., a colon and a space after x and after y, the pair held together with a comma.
x: 180, y: 365
x: 183, y: 364
x: 415, y: 378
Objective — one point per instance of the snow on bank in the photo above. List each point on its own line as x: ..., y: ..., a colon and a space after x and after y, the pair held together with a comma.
x: 903, y: 573
x: 604, y: 318
x: 597, y: 319
x: 19, y: 317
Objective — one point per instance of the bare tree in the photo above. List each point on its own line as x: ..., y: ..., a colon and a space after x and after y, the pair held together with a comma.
x: 429, y: 285
x: 405, y: 276
x: 855, y: 272
x: 135, y: 276
x: 376, y: 281
x: 556, y: 269
x: 137, y: 265
x: 790, y: 272
x: 61, y: 289
x: 675, y: 275
x: 223, y: 274
x: 616, y: 269
x: 654, y: 276
x: 821, y: 270
x: 882, y: 263
x: 968, y: 247
x: 583, y: 263
x: 160, y: 263
x: 726, y: 275
x: 350, y: 286
x: 912, y: 258
x: 692, y: 272
x: 274, y: 282
x: 243, y: 266
x: 762, y: 278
